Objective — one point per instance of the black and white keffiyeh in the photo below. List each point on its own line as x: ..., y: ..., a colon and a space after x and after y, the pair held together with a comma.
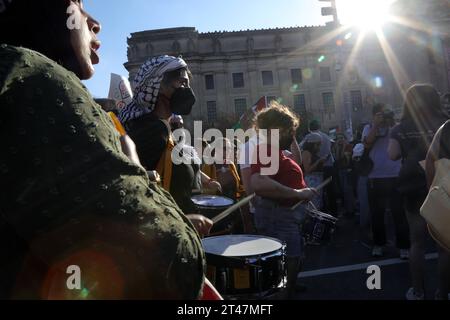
x: 147, y: 84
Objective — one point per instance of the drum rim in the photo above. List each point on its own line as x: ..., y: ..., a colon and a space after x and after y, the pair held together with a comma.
x: 282, y: 246
x: 210, y: 196
x: 323, y: 216
x: 232, y: 202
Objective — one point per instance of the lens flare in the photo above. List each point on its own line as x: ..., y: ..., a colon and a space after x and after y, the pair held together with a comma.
x: 366, y: 14
x: 378, y: 81
x: 307, y: 73
x: 294, y: 88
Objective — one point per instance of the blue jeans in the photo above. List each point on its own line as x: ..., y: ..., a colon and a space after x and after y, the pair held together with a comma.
x: 275, y: 221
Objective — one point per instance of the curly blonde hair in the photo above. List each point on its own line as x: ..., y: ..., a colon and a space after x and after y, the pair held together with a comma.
x: 277, y: 116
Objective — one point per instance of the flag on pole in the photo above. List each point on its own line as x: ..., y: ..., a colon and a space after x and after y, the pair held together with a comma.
x: 262, y: 104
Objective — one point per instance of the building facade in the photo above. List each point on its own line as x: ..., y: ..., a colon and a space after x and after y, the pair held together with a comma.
x: 331, y: 74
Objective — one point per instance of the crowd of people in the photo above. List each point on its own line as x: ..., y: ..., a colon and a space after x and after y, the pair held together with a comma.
x: 83, y: 187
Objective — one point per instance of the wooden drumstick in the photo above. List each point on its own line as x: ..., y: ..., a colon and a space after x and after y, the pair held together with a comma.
x: 233, y: 208
x: 320, y: 187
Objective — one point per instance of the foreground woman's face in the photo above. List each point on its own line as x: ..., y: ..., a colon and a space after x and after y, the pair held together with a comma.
x: 84, y: 39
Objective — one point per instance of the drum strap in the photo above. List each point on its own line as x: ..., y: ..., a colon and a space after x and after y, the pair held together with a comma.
x: 210, y: 170
x: 117, y: 124
x: 164, y: 167
x: 237, y: 179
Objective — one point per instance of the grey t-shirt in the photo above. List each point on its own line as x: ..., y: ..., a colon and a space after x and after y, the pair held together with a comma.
x: 383, y: 167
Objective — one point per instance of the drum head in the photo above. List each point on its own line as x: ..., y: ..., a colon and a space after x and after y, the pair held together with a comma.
x: 212, y: 201
x: 241, y: 245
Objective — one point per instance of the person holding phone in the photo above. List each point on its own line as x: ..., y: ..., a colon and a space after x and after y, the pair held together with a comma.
x: 383, y: 183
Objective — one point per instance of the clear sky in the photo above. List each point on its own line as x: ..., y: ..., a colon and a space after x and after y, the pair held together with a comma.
x: 120, y: 18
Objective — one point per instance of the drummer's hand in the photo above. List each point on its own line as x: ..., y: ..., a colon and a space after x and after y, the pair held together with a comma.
x: 202, y: 224
x: 214, y: 185
x: 154, y: 176
x: 307, y: 194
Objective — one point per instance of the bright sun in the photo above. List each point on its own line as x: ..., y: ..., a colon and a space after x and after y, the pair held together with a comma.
x: 366, y: 14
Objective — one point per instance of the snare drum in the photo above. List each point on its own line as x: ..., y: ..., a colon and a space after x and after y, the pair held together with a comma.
x: 245, y: 265
x: 319, y: 227
x: 210, y: 207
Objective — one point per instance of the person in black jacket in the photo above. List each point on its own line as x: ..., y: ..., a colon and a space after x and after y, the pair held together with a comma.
x: 162, y: 89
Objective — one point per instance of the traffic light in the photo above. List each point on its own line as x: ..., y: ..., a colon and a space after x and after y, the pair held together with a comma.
x: 330, y: 11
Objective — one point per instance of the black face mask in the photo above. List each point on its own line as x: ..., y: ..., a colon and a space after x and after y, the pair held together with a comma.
x: 182, y: 101
x: 286, y: 142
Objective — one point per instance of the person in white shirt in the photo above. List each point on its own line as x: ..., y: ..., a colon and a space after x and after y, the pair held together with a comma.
x: 328, y: 167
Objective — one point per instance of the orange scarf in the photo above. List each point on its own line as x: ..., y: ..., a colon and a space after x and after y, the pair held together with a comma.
x: 117, y: 124
x: 165, y: 165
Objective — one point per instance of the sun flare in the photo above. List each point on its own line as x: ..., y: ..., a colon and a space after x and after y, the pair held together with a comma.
x: 366, y: 14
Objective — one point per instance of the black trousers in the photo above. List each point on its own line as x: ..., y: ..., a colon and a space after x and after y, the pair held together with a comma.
x: 381, y: 192
x: 329, y: 195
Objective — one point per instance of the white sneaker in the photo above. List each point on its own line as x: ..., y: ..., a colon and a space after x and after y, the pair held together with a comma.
x: 404, y: 254
x: 377, y: 251
x: 411, y: 295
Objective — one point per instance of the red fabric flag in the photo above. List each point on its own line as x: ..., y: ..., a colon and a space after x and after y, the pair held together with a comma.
x: 260, y: 105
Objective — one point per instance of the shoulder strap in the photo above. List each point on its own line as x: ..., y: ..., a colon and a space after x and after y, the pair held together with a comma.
x: 210, y: 171
x: 237, y: 179
x: 117, y: 124
x: 165, y: 165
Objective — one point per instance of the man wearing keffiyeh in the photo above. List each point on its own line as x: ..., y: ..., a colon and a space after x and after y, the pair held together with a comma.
x: 161, y: 89
x: 147, y: 85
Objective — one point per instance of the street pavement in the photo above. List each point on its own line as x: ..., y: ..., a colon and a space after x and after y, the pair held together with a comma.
x: 338, y: 270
